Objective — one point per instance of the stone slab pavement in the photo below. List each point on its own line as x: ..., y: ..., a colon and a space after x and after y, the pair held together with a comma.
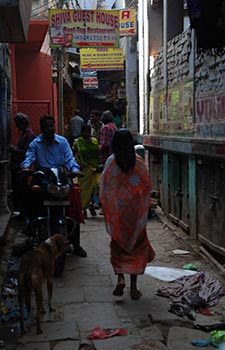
x: 83, y: 298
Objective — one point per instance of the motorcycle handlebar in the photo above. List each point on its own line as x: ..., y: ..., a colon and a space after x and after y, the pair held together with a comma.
x: 76, y: 174
x: 29, y: 172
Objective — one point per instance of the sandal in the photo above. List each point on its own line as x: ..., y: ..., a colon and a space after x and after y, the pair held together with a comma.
x: 135, y: 294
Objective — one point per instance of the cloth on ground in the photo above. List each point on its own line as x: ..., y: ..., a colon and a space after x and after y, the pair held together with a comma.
x: 100, y: 333
x: 187, y: 293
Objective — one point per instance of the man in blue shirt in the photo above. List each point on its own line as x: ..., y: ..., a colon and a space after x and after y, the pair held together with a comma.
x: 50, y: 150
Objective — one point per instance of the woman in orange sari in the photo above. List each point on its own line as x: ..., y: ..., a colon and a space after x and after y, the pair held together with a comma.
x: 125, y: 189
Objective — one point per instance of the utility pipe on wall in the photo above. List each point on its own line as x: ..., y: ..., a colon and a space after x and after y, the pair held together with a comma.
x: 143, y: 45
x: 165, y: 42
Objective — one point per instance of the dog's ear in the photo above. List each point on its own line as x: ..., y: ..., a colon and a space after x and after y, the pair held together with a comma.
x: 61, y: 241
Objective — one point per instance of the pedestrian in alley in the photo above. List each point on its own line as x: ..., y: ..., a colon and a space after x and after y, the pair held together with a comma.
x: 95, y: 123
x: 117, y: 119
x: 125, y: 197
x: 18, y: 182
x: 75, y: 126
x: 86, y: 152
x: 106, y: 135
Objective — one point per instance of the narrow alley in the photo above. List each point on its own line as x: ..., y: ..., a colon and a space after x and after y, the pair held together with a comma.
x: 83, y: 298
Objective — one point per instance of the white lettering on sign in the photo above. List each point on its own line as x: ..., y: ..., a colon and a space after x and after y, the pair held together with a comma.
x: 125, y: 14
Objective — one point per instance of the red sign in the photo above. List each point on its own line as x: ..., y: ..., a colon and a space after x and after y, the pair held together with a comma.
x: 90, y: 82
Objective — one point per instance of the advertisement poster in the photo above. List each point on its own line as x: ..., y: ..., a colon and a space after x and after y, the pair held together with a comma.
x: 101, y: 59
x: 84, y: 28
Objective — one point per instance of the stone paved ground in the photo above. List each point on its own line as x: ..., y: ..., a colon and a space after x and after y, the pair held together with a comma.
x: 83, y: 297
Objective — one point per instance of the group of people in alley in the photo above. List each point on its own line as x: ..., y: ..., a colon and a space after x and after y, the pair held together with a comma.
x: 112, y: 178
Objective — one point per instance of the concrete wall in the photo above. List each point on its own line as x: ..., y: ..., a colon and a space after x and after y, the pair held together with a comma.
x: 210, y: 95
x: 5, y: 114
x: 187, y: 129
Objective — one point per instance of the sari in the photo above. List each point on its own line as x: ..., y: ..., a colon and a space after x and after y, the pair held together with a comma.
x: 87, y: 156
x: 125, y: 198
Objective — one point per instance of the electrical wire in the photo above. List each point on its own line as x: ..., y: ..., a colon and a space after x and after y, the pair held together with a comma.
x: 53, y: 3
x: 43, y: 7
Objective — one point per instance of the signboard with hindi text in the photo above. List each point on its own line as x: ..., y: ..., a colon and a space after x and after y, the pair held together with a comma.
x: 84, y: 28
x: 101, y: 59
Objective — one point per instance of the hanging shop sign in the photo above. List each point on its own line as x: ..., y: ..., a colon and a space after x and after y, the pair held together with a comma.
x: 84, y: 28
x: 101, y: 59
x: 90, y: 82
x: 128, y: 23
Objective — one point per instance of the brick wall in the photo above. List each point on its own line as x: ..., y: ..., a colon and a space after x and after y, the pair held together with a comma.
x: 176, y: 109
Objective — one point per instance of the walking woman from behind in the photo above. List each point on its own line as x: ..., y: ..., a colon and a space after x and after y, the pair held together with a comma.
x: 125, y: 197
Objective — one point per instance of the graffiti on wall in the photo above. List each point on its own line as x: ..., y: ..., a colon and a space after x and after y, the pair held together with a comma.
x: 210, y: 116
x: 171, y: 111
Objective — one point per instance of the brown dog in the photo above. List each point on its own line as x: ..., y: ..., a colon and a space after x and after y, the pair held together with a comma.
x: 35, y: 266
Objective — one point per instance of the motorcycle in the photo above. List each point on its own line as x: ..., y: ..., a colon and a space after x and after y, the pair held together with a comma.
x: 50, y: 188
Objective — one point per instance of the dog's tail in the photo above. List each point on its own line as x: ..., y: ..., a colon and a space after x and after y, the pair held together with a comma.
x: 24, y: 292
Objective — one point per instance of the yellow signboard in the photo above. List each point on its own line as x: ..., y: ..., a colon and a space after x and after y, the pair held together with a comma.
x: 101, y: 59
x: 128, y: 23
x: 84, y: 28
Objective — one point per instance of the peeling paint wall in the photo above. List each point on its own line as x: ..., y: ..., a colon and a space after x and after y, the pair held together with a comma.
x: 188, y: 106
x: 171, y: 106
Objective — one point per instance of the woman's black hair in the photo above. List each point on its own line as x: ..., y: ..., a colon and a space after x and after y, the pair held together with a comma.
x: 123, y: 149
x: 85, y: 127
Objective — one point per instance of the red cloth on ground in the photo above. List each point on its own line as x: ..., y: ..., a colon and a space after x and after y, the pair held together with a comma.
x: 75, y: 208
x: 100, y: 333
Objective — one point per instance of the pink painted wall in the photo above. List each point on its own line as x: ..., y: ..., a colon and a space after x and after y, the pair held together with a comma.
x: 33, y: 76
x: 34, y: 93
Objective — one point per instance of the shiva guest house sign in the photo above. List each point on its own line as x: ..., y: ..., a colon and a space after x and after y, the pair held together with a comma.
x: 84, y: 28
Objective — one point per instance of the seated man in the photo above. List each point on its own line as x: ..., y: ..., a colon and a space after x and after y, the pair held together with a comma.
x: 19, y: 184
x: 50, y: 150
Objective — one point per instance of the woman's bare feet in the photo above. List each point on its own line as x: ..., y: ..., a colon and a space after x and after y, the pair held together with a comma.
x: 118, y: 291
x: 135, y: 294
